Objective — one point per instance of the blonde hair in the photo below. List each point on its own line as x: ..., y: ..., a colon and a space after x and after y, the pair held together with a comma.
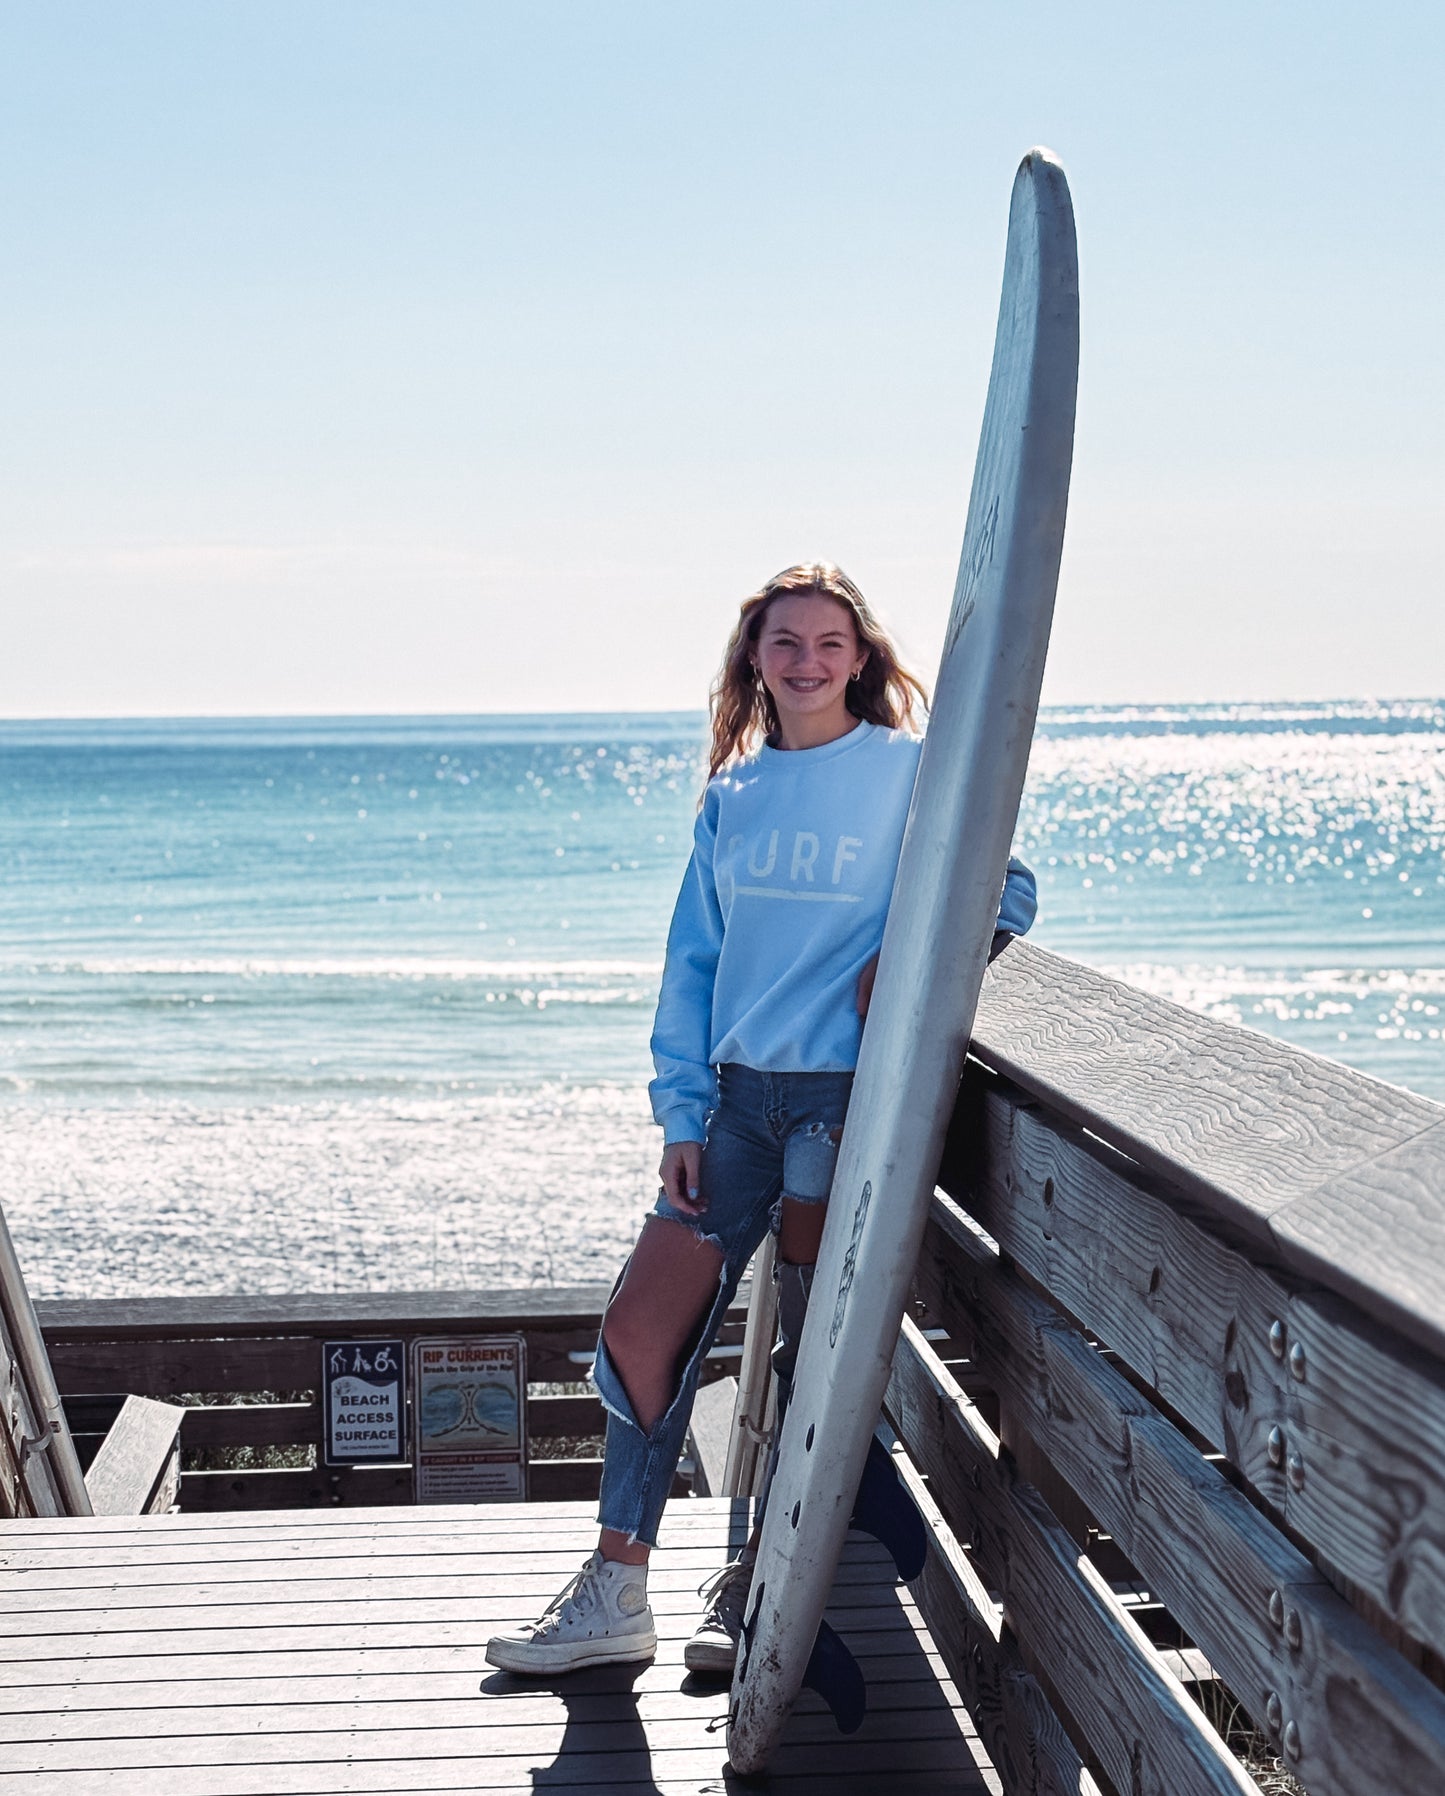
x: 743, y: 712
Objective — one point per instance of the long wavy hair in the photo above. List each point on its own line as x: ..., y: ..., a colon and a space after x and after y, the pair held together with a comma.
x: 743, y: 713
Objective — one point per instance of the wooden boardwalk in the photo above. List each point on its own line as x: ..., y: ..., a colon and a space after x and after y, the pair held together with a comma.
x: 341, y: 1650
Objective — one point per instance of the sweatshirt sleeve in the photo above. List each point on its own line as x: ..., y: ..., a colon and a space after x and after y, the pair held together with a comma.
x: 686, y: 1086
x: 1020, y: 903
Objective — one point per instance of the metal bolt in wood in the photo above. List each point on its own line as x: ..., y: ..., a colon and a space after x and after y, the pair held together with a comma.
x: 1292, y: 1744
x: 1276, y: 1607
x: 1274, y: 1446
x: 1273, y: 1711
x: 1297, y: 1360
x: 1276, y: 1339
x: 1295, y: 1472
x: 1293, y: 1631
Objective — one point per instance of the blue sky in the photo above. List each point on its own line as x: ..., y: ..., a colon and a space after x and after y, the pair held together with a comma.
x: 471, y: 357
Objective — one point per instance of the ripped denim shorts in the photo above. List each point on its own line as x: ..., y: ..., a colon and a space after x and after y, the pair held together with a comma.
x: 771, y: 1136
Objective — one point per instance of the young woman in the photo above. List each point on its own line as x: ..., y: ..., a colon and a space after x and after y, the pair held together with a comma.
x: 769, y: 967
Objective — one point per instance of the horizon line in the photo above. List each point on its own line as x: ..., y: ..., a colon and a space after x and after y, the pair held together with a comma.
x: 283, y: 717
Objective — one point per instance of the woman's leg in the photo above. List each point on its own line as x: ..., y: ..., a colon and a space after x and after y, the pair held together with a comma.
x: 669, y: 1305
x: 810, y: 1156
x: 813, y: 1109
x: 665, y: 1293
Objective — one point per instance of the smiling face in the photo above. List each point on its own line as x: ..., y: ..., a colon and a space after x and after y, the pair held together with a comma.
x: 806, y: 652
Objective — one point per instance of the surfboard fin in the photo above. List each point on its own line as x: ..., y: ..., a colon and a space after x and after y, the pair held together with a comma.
x: 884, y: 1509
x: 835, y: 1675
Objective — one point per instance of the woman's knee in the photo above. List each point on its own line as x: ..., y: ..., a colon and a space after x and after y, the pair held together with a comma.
x: 800, y: 1233
x: 663, y: 1297
x: 626, y: 1331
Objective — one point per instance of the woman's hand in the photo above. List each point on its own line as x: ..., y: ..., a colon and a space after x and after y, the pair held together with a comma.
x: 865, y: 986
x: 680, y: 1173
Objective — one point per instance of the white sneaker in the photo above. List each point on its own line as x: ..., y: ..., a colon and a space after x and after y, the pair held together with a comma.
x: 602, y: 1618
x: 714, y: 1647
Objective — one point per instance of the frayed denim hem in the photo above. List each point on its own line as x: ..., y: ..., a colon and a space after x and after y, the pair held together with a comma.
x: 695, y: 1225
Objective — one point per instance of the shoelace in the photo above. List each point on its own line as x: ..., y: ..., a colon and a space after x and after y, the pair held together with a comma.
x: 575, y: 1600
x: 724, y: 1592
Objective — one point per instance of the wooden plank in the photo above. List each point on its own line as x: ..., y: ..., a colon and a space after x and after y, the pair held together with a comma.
x: 670, y: 1746
x: 177, y: 1616
x: 721, y: 1516
x: 1248, y: 1122
x: 299, y: 1424
x: 709, y: 1434
x: 146, y: 1655
x: 311, y: 1704
x: 214, y: 1424
x: 1018, y: 1728
x: 326, y: 1313
x: 579, y: 1752
x: 166, y: 1366
x: 546, y: 1309
x: 1376, y: 1235
x: 524, y: 1519
x: 491, y: 1531
x: 526, y: 1581
x: 137, y: 1467
x: 1200, y: 1544
x: 1361, y: 1411
x: 335, y: 1486
x: 398, y: 1764
x: 69, y: 1584
x: 268, y: 1488
x: 122, y: 1629
x: 292, y: 1731
x: 630, y: 1777
x: 1143, y: 1728
x: 31, y: 1530
x: 69, y: 1687
x: 1246, y: 1126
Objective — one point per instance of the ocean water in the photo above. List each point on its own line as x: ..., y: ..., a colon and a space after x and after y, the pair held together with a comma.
x: 364, y: 1003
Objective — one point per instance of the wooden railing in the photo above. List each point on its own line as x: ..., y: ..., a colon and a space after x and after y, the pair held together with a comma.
x: 1182, y: 1412
x: 249, y: 1372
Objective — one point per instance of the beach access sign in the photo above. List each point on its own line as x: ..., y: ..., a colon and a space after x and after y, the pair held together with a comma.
x: 363, y: 1386
x: 469, y: 1419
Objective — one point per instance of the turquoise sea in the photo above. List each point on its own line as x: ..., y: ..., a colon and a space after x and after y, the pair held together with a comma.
x: 349, y: 1002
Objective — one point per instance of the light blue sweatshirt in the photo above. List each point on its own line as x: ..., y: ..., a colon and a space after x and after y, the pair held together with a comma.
x: 782, y: 906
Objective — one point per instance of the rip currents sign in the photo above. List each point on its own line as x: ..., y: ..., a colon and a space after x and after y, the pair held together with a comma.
x: 469, y: 1419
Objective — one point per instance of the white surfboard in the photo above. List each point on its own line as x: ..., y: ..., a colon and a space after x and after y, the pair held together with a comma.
x: 935, y: 949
